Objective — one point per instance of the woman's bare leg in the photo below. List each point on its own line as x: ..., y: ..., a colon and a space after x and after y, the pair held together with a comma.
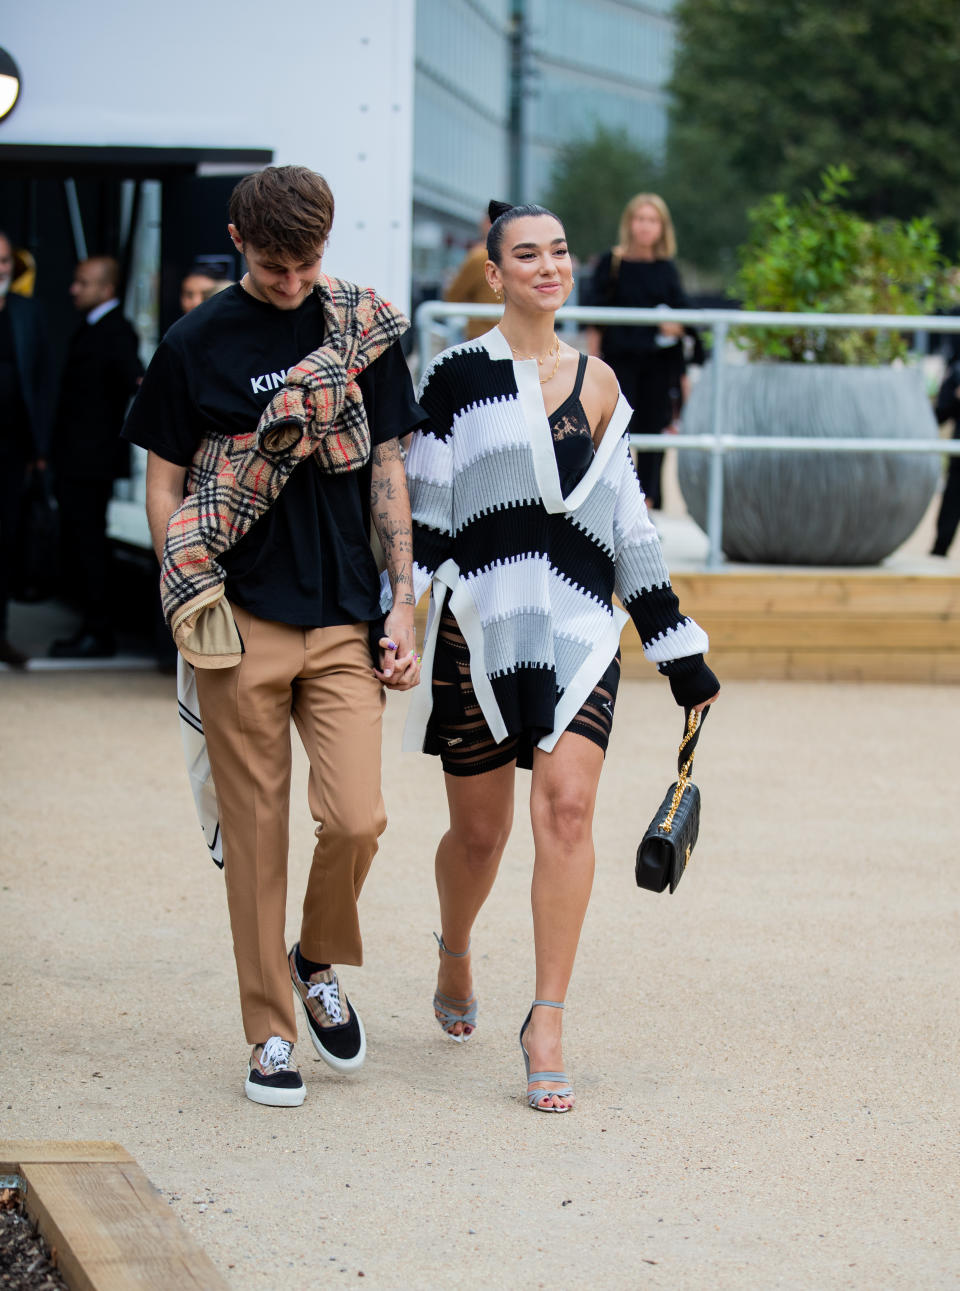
x: 563, y: 795
x: 468, y: 857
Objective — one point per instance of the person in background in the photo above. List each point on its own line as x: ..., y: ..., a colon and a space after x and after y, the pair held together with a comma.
x: 24, y: 378
x: 948, y: 409
x: 470, y: 284
x: 639, y: 272
x: 100, y: 375
x: 24, y: 272
x: 197, y: 286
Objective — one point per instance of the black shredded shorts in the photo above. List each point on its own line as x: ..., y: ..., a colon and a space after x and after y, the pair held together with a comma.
x: 458, y: 730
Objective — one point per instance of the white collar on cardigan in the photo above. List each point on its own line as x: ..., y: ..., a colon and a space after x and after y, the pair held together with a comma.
x: 545, y: 467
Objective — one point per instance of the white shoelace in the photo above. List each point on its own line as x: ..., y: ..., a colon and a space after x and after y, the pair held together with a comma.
x: 329, y: 995
x: 276, y: 1053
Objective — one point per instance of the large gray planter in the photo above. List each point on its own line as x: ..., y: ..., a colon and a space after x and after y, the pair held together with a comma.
x: 814, y: 508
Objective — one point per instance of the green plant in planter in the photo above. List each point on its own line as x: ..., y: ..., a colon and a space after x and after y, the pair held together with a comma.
x: 813, y: 256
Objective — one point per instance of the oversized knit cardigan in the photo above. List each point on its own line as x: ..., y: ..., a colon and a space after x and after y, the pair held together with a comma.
x: 530, y: 575
x: 318, y: 412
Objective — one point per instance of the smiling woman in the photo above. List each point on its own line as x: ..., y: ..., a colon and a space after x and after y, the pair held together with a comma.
x: 528, y: 516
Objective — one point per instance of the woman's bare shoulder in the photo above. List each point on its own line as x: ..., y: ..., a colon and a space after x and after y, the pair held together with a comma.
x: 601, y: 376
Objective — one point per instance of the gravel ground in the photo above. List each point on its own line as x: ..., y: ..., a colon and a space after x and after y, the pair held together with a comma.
x: 766, y: 1063
x: 25, y: 1263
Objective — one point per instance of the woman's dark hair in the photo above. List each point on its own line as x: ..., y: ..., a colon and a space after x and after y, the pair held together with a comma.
x: 501, y: 214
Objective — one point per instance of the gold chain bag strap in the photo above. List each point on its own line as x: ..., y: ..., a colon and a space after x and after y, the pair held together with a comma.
x: 672, y: 834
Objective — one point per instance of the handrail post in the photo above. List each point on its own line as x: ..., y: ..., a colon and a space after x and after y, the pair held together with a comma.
x: 715, y: 482
x: 424, y: 316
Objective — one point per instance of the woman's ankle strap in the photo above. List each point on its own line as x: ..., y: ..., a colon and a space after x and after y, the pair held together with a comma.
x: 455, y: 954
x: 550, y: 1004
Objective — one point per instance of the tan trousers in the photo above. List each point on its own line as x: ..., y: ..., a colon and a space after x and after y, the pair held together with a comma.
x: 323, y: 678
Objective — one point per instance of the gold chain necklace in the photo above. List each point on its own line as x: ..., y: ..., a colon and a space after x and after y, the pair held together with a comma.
x: 555, y: 352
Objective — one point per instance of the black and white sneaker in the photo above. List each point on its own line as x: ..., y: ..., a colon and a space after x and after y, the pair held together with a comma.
x: 335, y: 1028
x: 273, y: 1078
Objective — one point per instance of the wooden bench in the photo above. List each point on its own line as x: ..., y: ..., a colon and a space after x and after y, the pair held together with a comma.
x: 821, y: 625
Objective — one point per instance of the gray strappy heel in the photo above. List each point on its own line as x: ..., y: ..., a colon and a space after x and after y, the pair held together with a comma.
x: 537, y: 1097
x: 448, y: 1016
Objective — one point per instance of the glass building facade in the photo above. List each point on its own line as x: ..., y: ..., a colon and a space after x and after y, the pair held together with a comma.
x: 460, y: 130
x: 593, y: 61
x: 564, y: 66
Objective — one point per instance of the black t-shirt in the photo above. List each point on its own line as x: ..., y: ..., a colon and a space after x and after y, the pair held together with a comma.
x: 307, y: 561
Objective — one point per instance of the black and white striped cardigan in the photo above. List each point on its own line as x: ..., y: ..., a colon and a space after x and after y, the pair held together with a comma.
x: 530, y: 574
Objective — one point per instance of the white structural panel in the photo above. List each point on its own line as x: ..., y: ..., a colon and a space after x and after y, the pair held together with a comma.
x: 320, y: 83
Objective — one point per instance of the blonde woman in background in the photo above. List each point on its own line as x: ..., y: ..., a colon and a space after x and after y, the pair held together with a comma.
x: 648, y: 361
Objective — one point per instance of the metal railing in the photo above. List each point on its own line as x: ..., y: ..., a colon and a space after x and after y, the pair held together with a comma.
x: 717, y: 442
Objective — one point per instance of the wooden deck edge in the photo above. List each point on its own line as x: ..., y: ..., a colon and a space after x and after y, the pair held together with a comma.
x: 107, y: 1224
x: 731, y: 665
x: 15, y: 1153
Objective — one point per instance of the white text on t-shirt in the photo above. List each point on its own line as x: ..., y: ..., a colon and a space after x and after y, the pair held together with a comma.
x: 269, y: 381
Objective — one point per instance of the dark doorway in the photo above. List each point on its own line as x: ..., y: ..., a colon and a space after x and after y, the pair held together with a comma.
x: 157, y: 213
x: 194, y: 228
x: 59, y: 202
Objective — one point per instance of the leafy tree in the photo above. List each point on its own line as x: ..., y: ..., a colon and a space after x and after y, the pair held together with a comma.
x: 813, y: 256
x: 768, y: 92
x: 592, y: 180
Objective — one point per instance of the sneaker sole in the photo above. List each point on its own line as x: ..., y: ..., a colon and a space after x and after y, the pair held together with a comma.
x: 274, y: 1097
x: 331, y: 1059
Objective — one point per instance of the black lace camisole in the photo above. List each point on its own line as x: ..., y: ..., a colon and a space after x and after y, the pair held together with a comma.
x: 572, y: 441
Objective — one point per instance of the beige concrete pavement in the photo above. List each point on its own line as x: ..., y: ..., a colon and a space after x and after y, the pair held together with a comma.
x: 766, y: 1063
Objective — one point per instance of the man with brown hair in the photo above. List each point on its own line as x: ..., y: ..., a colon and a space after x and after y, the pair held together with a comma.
x: 303, y: 590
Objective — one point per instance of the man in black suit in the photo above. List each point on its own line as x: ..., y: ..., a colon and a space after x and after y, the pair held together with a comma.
x: 100, y: 375
x: 24, y: 427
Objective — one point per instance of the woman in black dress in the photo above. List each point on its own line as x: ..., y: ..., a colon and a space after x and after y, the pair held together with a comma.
x: 648, y: 361
x: 527, y: 519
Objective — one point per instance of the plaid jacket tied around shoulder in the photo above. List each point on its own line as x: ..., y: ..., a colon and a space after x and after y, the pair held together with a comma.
x: 318, y: 412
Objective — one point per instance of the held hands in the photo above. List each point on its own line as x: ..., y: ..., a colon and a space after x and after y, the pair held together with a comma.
x: 399, y: 661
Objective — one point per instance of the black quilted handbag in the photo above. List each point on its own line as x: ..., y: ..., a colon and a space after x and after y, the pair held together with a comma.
x: 672, y: 834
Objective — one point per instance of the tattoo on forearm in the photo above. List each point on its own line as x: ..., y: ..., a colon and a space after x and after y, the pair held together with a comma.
x: 390, y: 451
x: 390, y: 508
x: 403, y: 587
x: 382, y: 489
